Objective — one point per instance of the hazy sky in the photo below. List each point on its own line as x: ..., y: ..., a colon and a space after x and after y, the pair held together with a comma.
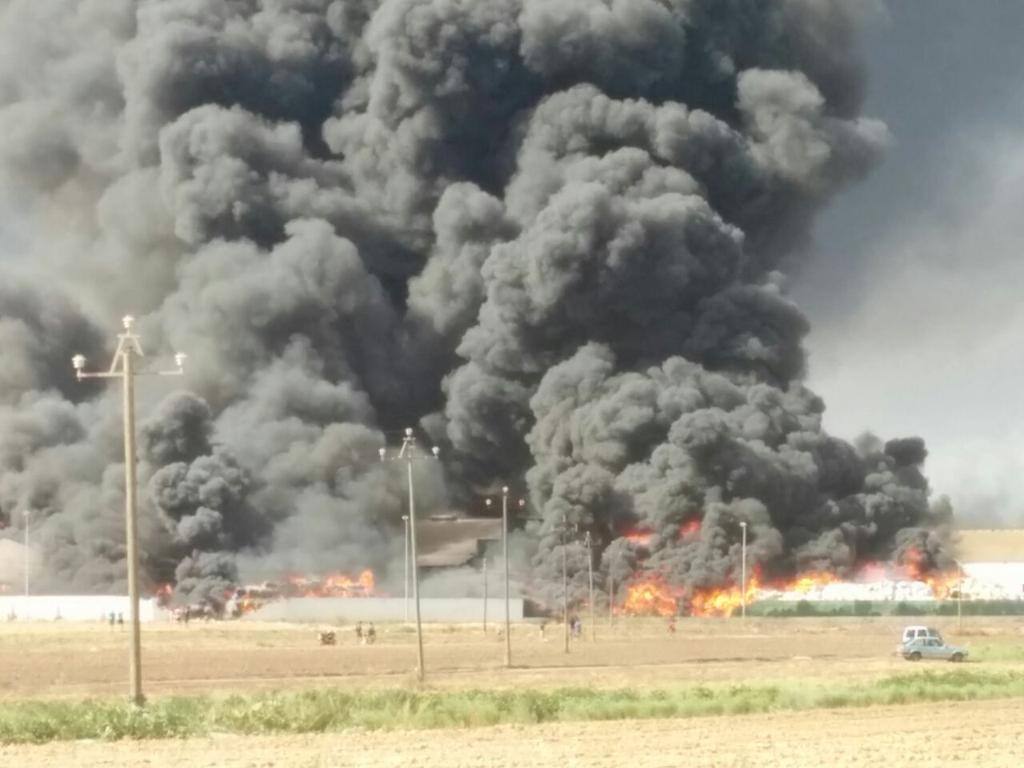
x: 916, y: 291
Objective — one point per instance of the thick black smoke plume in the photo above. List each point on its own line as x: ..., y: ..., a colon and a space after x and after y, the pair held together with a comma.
x: 552, y: 233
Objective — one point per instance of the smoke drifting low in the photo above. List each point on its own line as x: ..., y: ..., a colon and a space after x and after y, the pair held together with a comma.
x: 552, y: 234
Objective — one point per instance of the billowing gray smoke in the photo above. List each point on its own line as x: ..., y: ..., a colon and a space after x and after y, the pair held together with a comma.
x: 553, y: 233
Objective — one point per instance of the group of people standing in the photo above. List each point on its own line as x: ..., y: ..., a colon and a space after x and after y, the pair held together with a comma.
x: 367, y: 636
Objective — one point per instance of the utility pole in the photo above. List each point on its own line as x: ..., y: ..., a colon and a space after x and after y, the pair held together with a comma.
x: 611, y: 596
x: 960, y: 597
x: 405, y: 584
x: 504, y: 546
x: 485, y: 595
x: 565, y: 587
x: 590, y: 575
x: 123, y: 367
x: 743, y: 570
x: 28, y: 515
x: 408, y: 454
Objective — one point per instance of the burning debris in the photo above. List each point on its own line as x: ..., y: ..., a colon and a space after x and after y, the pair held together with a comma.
x: 651, y: 595
x: 248, y: 599
x: 588, y: 293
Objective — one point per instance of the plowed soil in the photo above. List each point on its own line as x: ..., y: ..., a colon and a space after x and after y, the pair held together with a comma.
x: 60, y: 660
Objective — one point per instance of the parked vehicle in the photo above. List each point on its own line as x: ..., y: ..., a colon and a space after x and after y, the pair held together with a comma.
x: 932, y: 648
x: 917, y: 632
x: 920, y: 632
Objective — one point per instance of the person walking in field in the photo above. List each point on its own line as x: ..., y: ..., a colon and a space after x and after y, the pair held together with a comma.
x: 371, y: 634
x: 359, y: 633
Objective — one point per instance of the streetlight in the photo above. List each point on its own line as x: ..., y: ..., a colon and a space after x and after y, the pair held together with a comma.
x: 487, y: 502
x: 408, y: 453
x: 504, y: 544
x: 590, y: 573
x: 504, y: 554
x: 123, y: 367
x: 959, y: 596
x: 611, y: 592
x: 565, y: 583
x: 28, y: 514
x: 743, y: 571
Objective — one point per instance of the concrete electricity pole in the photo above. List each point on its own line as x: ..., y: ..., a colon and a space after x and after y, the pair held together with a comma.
x: 565, y: 582
x: 611, y: 596
x: 405, y: 584
x: 28, y: 517
x: 485, y: 595
x: 743, y: 571
x: 123, y: 367
x: 959, y: 596
x: 408, y: 454
x: 590, y: 575
x: 504, y: 553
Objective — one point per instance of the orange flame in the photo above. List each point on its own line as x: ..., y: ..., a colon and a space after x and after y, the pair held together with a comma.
x: 640, y: 538
x: 689, y: 528
x: 808, y: 581
x: 651, y: 597
x: 335, y: 584
x: 915, y: 568
x: 723, y: 602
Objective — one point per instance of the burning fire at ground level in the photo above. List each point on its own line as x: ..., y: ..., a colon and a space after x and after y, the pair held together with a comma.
x: 652, y: 595
x: 249, y: 598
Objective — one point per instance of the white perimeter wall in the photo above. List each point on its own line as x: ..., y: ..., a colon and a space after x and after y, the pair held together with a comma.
x: 994, y: 580
x: 75, y: 608
x: 329, y: 609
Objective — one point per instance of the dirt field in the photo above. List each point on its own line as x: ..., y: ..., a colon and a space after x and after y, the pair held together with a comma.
x: 54, y: 660
x: 982, y: 735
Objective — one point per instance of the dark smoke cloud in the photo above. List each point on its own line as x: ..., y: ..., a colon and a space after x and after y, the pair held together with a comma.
x: 552, y: 234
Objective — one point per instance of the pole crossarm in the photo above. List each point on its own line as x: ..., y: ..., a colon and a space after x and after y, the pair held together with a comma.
x: 407, y: 453
x: 123, y: 367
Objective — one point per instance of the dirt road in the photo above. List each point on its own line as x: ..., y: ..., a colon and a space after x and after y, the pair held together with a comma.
x: 980, y: 735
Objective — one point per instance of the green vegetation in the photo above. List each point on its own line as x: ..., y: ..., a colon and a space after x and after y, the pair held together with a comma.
x: 998, y: 650
x: 335, y: 710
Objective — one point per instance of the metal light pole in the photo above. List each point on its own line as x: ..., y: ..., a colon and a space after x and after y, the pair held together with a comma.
x: 565, y: 588
x: 959, y: 597
x: 611, y: 596
x: 405, y: 584
x: 28, y: 514
x: 407, y: 453
x: 123, y: 367
x: 743, y: 571
x: 504, y: 553
x: 485, y: 595
x: 590, y: 575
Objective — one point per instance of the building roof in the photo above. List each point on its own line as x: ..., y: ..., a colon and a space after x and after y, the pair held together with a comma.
x: 453, y: 542
x: 990, y: 546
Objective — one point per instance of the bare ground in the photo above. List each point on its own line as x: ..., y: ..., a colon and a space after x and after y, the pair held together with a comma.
x: 981, y: 735
x: 55, y: 660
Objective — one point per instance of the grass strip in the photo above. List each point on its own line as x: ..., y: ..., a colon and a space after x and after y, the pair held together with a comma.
x: 323, y: 710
